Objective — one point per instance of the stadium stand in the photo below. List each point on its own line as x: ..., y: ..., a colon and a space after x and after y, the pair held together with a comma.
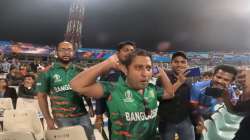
x: 23, y: 120
x: 16, y: 135
x: 66, y: 133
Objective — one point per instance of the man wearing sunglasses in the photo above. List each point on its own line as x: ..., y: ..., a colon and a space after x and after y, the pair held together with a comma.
x: 132, y: 102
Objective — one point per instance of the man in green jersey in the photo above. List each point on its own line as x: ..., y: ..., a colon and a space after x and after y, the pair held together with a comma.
x: 67, y: 106
x: 132, y: 103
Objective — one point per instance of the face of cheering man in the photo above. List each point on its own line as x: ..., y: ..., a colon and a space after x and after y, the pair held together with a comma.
x: 124, y: 49
x: 139, y: 69
x: 179, y: 64
x: 223, y: 76
x: 222, y: 79
x: 65, y: 52
x: 139, y: 72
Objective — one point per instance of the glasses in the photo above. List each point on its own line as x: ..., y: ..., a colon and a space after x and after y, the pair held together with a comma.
x: 65, y: 50
x: 146, y: 107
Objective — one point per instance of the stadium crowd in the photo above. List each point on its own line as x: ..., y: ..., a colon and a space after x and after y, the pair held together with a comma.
x: 142, y: 100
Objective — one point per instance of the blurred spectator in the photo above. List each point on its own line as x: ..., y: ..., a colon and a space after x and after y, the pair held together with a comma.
x: 7, y: 92
x: 13, y: 77
x: 34, y: 65
x: 1, y: 55
x: 1, y: 60
x: 47, y: 66
x: 23, y: 70
x: 207, y: 75
x: 40, y: 68
x: 15, y: 63
x: 27, y: 89
x: 5, y: 65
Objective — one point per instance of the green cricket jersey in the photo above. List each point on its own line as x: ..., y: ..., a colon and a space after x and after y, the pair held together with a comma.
x: 127, y: 111
x: 65, y: 103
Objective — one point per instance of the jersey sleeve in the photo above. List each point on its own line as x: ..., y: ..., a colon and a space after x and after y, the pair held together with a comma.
x: 42, y: 84
x: 107, y: 88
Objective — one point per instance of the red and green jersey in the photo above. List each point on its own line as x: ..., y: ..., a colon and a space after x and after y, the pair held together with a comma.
x: 65, y: 103
x: 129, y: 111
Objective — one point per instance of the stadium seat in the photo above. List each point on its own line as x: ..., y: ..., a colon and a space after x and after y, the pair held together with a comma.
x: 213, y: 133
x: 16, y: 88
x: 16, y: 135
x: 66, y: 133
x: 23, y: 120
x: 208, y: 135
x: 229, y: 117
x: 5, y: 104
x: 29, y: 104
x: 98, y: 134
x: 222, y: 125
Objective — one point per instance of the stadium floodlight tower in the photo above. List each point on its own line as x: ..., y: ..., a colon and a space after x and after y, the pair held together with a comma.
x: 74, y: 27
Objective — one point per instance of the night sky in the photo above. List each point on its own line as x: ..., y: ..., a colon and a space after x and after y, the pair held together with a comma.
x: 193, y: 25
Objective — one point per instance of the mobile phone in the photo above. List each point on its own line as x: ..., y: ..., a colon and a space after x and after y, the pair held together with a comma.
x: 155, y: 70
x: 193, y: 72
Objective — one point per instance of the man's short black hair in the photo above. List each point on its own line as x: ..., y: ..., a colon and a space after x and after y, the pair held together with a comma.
x: 124, y: 43
x: 179, y: 53
x: 207, y: 73
x: 29, y: 75
x: 12, y: 67
x: 64, y: 42
x: 137, y: 52
x: 226, y: 68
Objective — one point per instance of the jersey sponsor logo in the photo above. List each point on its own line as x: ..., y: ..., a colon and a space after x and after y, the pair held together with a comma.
x: 140, y: 116
x: 128, y: 96
x: 61, y: 88
x: 57, y: 78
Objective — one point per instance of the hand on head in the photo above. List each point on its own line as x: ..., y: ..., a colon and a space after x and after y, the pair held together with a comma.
x: 116, y: 64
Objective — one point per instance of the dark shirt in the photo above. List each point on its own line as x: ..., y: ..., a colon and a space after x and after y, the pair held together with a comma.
x: 176, y: 109
x: 33, y: 67
x: 243, y: 107
x: 24, y: 92
x: 11, y: 93
x: 14, y: 80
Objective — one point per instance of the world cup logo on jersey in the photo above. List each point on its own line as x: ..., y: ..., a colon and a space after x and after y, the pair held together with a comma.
x: 128, y: 96
x: 57, y: 78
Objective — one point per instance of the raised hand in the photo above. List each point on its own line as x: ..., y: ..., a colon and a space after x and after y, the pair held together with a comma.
x: 116, y: 64
x: 51, y: 124
x: 200, y: 127
x: 182, y: 76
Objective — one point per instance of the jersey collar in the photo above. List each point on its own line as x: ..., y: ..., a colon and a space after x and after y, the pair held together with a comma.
x: 59, y: 65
